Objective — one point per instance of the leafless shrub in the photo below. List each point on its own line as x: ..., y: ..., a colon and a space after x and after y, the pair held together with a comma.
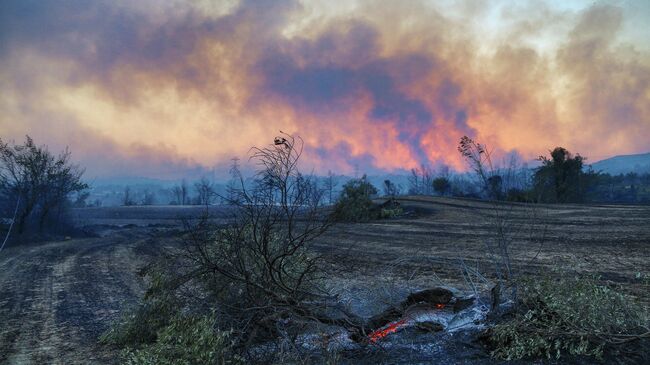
x: 391, y: 189
x: 257, y: 272
x: 502, y: 219
x: 128, y: 198
x: 421, y: 181
x: 205, y: 191
x: 181, y: 193
x: 149, y: 198
x: 329, y: 186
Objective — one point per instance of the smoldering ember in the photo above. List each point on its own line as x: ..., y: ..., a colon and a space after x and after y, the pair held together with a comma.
x: 313, y: 182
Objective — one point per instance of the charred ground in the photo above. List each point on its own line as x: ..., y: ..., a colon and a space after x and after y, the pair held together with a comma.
x: 57, y: 298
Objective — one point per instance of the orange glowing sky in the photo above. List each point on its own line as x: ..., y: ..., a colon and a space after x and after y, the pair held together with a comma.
x: 163, y: 88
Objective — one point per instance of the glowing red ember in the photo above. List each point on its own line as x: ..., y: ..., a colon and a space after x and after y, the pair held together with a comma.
x: 394, y: 327
x: 383, y: 332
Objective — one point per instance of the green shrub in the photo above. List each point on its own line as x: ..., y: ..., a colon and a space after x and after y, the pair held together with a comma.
x: 187, y: 340
x: 574, y: 315
x: 390, y: 213
x: 441, y: 185
x: 142, y: 325
x: 355, y: 203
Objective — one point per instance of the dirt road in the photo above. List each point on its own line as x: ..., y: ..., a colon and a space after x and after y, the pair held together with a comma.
x: 57, y: 298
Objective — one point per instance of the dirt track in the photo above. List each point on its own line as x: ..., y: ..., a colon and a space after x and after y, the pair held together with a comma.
x: 57, y: 298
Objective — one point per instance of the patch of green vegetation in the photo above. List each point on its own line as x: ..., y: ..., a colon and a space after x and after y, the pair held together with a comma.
x: 141, y: 326
x: 387, y: 213
x: 186, y: 340
x: 570, y: 315
x: 355, y: 203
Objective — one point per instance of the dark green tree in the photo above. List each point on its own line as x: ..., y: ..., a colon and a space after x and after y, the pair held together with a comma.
x: 355, y: 203
x: 441, y: 185
x: 560, y: 179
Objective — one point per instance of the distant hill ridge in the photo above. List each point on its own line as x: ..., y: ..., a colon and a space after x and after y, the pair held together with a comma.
x: 639, y: 163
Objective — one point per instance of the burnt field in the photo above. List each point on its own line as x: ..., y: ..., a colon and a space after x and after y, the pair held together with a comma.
x: 611, y: 241
x: 57, y: 298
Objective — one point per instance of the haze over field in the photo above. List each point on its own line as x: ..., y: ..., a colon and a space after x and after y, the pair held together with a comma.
x: 160, y: 89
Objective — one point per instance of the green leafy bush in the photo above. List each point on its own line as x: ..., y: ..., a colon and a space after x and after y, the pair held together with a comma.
x: 386, y: 213
x: 355, y: 203
x: 186, y: 340
x: 574, y: 315
x: 441, y: 185
x: 142, y: 325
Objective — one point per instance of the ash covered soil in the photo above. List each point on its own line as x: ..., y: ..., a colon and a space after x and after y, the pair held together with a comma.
x: 611, y: 241
x: 57, y: 298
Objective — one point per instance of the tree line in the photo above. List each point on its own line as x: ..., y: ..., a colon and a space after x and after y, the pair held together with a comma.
x: 562, y: 177
x: 38, y: 186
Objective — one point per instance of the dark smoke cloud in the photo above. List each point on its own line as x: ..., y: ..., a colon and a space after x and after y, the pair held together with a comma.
x: 385, y: 86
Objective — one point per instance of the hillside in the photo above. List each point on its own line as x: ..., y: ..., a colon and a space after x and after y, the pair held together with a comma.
x: 639, y: 163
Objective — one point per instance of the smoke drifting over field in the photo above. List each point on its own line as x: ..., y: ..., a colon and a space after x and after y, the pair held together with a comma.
x: 162, y: 87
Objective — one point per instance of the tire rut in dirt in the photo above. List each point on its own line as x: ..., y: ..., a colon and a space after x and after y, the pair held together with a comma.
x: 57, y: 299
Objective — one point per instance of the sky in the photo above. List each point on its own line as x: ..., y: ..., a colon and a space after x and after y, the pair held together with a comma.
x: 164, y: 89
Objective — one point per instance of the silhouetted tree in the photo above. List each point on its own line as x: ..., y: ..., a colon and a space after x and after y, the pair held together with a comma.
x: 236, y: 179
x: 205, y: 191
x: 479, y: 159
x: 414, y: 182
x: 330, y: 185
x: 441, y: 185
x: 259, y: 270
x: 149, y: 198
x: 421, y: 181
x: 390, y: 189
x: 81, y: 200
x: 495, y: 187
x: 180, y: 193
x: 560, y: 179
x: 185, y: 193
x: 127, y: 197
x: 37, y: 182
